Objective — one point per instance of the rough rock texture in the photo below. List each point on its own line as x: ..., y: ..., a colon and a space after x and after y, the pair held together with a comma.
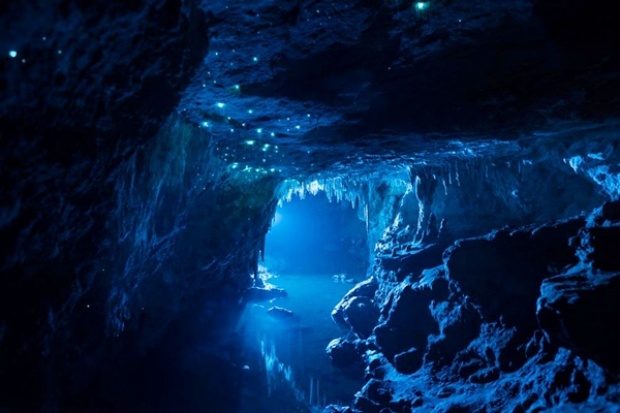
x: 578, y: 310
x: 357, y: 310
x: 143, y: 144
x: 480, y: 267
x: 513, y: 321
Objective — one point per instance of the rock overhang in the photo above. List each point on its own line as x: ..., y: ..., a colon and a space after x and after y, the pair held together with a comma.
x: 330, y: 83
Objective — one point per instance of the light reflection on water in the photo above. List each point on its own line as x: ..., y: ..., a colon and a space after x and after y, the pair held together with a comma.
x: 292, y: 349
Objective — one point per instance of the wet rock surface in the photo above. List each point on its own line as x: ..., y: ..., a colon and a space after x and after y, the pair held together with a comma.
x: 513, y: 321
x: 143, y: 144
x: 264, y: 293
x: 357, y: 310
x: 580, y: 311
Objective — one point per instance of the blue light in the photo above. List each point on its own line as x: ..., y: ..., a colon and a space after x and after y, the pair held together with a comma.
x: 421, y: 5
x: 220, y: 105
x: 250, y: 142
x: 205, y: 124
x: 259, y: 130
x: 255, y: 59
x: 13, y: 53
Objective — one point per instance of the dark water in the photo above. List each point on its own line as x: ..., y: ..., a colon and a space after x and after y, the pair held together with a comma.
x: 289, y: 370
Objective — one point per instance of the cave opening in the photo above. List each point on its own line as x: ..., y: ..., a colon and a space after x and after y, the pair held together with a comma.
x: 315, y: 251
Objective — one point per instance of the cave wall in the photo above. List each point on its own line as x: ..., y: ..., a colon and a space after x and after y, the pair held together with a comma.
x: 180, y: 237
x: 515, y: 320
x: 116, y: 219
x: 117, y: 222
x: 474, y: 197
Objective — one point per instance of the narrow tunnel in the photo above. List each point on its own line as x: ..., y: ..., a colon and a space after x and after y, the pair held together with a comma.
x: 309, y: 206
x: 315, y: 251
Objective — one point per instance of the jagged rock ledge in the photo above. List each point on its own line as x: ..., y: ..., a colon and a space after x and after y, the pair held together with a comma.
x: 518, y: 320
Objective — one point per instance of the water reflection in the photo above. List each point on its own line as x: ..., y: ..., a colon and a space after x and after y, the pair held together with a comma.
x: 289, y: 351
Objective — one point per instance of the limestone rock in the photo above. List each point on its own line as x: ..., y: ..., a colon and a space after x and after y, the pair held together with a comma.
x: 580, y: 312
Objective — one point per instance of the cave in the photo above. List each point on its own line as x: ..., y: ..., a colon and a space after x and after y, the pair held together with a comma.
x: 364, y: 206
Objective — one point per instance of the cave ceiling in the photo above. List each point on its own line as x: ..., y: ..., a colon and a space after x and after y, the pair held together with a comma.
x: 304, y: 86
x: 361, y: 82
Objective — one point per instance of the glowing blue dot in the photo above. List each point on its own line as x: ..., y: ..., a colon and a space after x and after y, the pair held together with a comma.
x: 272, y: 134
x: 255, y: 59
x: 13, y: 53
x: 421, y: 5
x: 259, y: 130
x: 217, y: 53
x: 250, y: 111
x: 237, y: 87
x: 205, y: 124
x: 220, y: 105
x: 231, y: 130
x: 250, y: 142
x: 308, y: 115
x: 298, y: 127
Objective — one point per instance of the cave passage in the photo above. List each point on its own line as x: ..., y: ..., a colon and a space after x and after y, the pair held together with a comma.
x: 314, y: 235
x: 315, y: 251
x: 167, y: 240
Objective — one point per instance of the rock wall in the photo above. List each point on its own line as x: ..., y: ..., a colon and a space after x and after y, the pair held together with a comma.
x: 177, y: 237
x: 517, y: 320
x: 119, y: 226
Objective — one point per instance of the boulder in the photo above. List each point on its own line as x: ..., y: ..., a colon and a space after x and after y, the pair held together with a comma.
x: 408, y: 362
x: 580, y: 312
x: 413, y: 262
x: 344, y: 353
x: 375, y: 396
x: 357, y: 311
x: 267, y: 293
x: 502, y: 271
x: 361, y: 314
x: 409, y: 320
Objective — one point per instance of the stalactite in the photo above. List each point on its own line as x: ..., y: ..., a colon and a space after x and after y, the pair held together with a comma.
x: 424, y: 191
